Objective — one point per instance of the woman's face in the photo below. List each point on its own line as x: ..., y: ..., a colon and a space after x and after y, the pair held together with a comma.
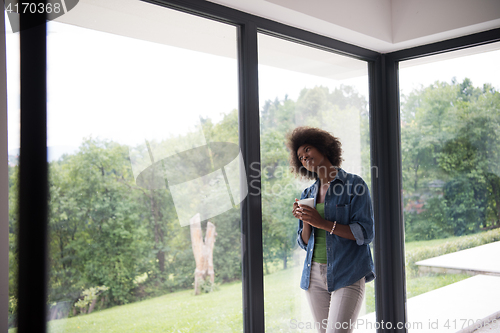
x: 310, y: 157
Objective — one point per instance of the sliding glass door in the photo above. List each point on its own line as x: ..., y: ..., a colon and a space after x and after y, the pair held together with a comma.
x: 144, y: 166
x: 450, y: 126
x: 303, y: 86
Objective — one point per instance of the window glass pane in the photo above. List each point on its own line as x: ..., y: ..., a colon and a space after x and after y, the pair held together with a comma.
x: 303, y: 86
x: 144, y: 221
x: 450, y: 126
x: 13, y: 139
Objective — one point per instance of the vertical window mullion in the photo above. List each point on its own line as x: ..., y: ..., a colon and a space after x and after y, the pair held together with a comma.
x: 251, y: 212
x: 33, y: 189
x: 390, y: 293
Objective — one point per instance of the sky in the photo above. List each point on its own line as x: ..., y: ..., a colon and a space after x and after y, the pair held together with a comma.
x: 480, y: 68
x: 127, y: 90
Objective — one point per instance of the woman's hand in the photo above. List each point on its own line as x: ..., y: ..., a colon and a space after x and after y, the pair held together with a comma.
x: 306, y: 228
x: 295, y: 209
x: 311, y: 216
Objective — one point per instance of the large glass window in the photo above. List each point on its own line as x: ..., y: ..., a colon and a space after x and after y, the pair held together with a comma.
x: 144, y: 163
x: 303, y: 86
x: 450, y: 142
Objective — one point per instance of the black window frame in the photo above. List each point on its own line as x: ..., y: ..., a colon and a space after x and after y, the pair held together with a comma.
x: 385, y: 155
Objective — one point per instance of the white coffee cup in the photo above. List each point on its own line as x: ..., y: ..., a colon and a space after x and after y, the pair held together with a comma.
x: 307, y: 202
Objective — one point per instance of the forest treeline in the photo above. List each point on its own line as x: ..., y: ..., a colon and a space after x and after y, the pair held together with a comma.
x: 107, y: 232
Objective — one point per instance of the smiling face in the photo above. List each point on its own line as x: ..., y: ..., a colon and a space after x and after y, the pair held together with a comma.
x: 310, y: 157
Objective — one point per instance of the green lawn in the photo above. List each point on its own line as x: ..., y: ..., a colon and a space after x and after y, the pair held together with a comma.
x: 221, y: 311
x: 423, y: 284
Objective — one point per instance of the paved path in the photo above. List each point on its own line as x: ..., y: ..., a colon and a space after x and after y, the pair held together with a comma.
x: 456, y: 307
x: 450, y: 308
x: 484, y: 259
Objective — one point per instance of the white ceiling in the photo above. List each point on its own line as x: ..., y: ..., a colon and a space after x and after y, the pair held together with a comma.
x: 148, y: 22
x: 380, y: 25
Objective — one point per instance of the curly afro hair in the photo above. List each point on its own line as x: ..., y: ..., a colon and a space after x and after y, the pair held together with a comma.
x: 327, y: 144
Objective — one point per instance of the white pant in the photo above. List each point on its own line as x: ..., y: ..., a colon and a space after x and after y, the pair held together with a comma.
x: 340, y: 308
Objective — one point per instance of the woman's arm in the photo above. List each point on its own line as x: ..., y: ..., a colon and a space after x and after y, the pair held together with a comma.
x: 361, y: 214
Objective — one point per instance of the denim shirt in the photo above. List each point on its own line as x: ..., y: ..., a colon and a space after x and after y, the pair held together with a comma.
x: 348, y: 202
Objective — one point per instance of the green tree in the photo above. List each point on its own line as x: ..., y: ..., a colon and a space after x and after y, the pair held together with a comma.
x: 450, y: 145
x: 13, y: 253
x: 96, y: 234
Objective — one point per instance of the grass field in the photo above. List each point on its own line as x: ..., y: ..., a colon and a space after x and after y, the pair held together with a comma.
x: 221, y: 311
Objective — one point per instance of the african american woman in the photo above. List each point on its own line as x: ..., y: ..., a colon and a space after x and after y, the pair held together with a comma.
x: 335, y: 234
